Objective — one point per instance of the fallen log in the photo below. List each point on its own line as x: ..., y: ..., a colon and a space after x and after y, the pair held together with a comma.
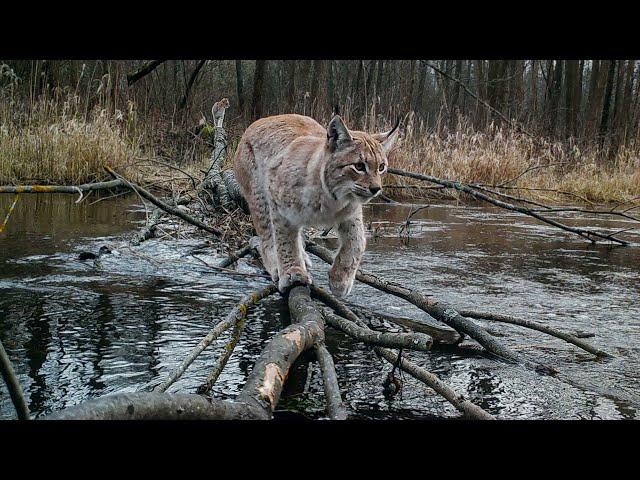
x: 335, y: 407
x: 158, y: 406
x: 409, y: 341
x: 68, y: 189
x: 143, y: 71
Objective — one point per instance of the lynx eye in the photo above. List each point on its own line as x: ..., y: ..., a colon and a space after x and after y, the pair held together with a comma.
x: 382, y: 168
x: 360, y: 167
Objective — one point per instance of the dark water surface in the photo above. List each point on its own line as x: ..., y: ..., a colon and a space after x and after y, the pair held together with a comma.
x: 78, y: 330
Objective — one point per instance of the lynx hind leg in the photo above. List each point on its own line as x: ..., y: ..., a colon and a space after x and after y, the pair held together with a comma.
x: 262, y: 222
x: 352, y: 245
x: 291, y: 265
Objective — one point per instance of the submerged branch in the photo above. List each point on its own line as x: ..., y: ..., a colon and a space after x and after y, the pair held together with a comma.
x: 238, y: 313
x: 13, y: 385
x: 438, y: 310
x: 335, y: 407
x: 567, y: 337
x: 440, y: 335
x: 409, y: 341
x: 458, y: 401
x: 166, y: 207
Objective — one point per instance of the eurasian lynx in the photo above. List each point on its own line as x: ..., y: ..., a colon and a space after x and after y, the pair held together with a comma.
x: 295, y: 173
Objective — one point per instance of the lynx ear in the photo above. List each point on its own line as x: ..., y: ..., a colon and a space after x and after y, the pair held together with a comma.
x: 388, y: 139
x: 337, y: 133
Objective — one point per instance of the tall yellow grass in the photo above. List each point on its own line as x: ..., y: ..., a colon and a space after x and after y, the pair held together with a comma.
x: 501, y: 155
x: 61, y: 140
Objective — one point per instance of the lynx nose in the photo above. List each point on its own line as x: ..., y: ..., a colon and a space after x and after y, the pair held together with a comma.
x: 374, y: 190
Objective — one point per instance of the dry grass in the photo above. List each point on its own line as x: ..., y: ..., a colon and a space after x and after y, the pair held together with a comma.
x: 59, y: 140
x: 65, y: 139
x: 500, y: 156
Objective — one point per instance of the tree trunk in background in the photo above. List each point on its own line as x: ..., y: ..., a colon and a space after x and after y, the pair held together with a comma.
x: 618, y: 107
x: 240, y: 85
x: 480, y: 111
x: 496, y: 85
x: 626, y: 117
x: 192, y: 80
x: 533, y: 104
x: 318, y: 89
x: 455, y: 99
x: 596, y: 92
x: 258, y: 86
x: 619, y: 92
x: 357, y: 91
x: 290, y: 73
x: 379, y: 76
x: 604, y: 118
x: 572, y: 97
x: 554, y: 98
x: 518, y: 88
x: 467, y: 82
x: 331, y: 86
x: 417, y: 105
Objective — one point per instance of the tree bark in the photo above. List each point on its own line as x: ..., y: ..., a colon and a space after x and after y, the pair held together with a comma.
x: 258, y: 86
x: 240, y: 85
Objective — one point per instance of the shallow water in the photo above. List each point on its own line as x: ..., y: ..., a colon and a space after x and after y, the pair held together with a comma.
x: 77, y: 330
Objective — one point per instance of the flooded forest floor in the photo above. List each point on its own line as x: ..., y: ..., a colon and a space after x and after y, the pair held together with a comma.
x: 82, y: 329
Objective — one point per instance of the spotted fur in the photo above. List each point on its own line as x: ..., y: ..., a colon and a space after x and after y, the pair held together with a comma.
x: 295, y: 173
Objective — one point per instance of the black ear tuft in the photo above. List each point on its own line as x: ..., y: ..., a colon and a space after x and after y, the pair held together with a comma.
x: 336, y: 109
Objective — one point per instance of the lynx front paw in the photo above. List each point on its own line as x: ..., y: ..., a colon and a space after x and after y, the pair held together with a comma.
x: 293, y: 276
x: 340, y: 286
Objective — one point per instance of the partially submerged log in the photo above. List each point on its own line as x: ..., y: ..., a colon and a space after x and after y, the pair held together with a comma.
x: 440, y: 334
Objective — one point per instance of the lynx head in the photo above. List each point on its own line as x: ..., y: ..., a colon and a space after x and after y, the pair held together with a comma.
x: 357, y: 160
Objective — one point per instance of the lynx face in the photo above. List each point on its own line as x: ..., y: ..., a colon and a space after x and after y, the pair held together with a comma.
x: 358, y: 161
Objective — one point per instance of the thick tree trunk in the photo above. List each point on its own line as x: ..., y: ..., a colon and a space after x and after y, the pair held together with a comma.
x: 258, y: 86
x: 240, y: 85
